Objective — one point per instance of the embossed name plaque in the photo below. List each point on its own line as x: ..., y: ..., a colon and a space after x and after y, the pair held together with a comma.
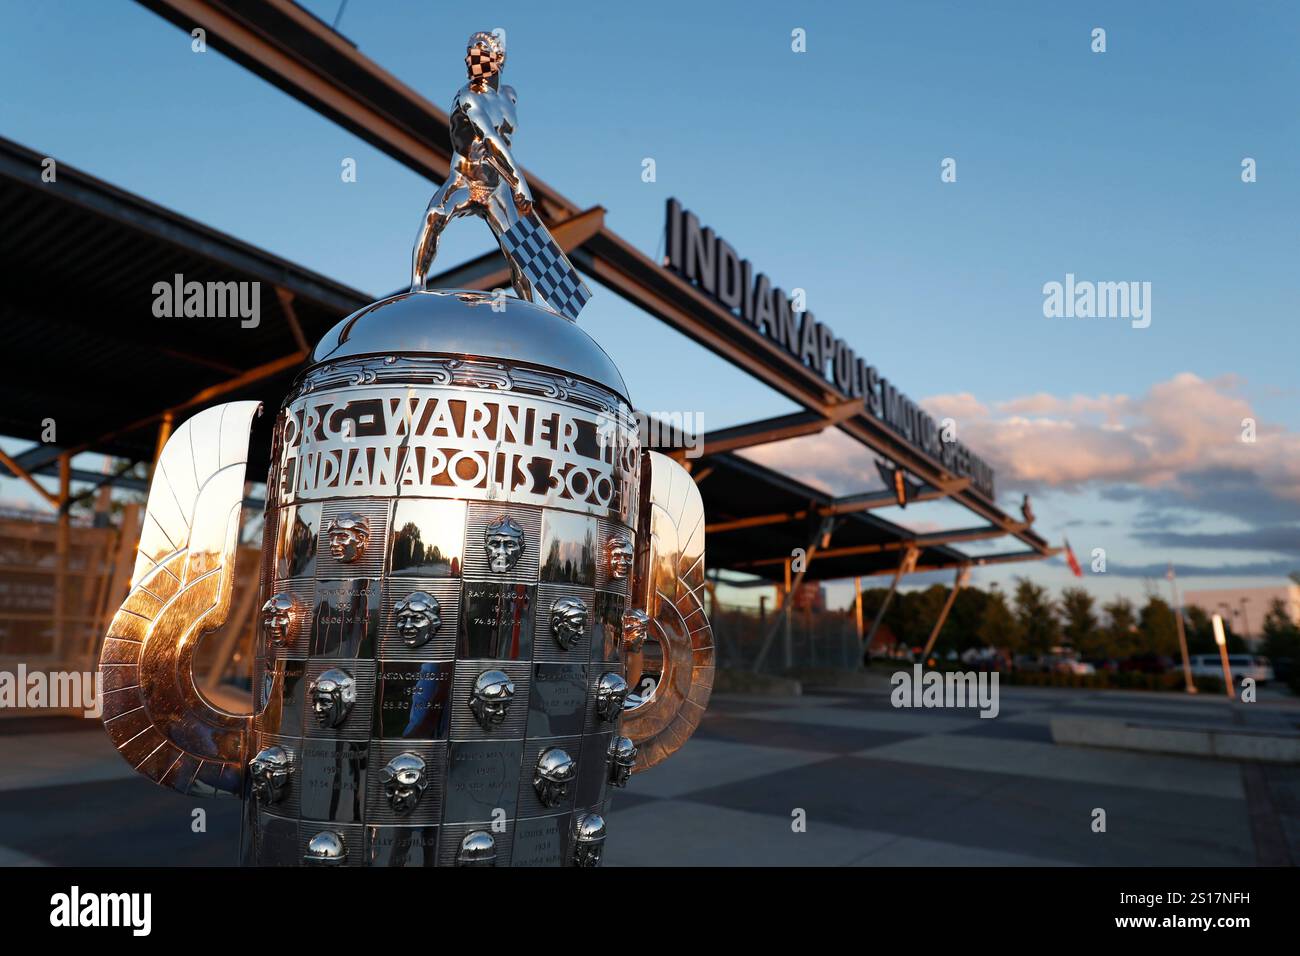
x: 432, y: 442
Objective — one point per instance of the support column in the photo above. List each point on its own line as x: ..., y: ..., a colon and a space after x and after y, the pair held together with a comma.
x: 1188, y: 684
x: 164, y: 433
x: 823, y: 534
x: 906, y: 566
x: 61, y: 544
x: 958, y: 583
x: 789, y: 601
x: 857, y: 605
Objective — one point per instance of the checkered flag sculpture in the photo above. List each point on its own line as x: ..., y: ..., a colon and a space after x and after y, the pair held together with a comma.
x: 529, y: 245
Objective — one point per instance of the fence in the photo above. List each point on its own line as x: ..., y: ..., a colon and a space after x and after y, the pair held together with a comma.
x: 61, y: 584
x: 817, y: 639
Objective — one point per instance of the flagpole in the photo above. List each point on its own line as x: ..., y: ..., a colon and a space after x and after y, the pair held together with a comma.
x: 1182, y: 634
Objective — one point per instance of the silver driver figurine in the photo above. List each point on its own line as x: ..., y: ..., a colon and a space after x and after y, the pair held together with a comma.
x: 485, y: 181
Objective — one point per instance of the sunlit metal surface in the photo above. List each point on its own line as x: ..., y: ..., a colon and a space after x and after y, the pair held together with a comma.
x: 485, y: 181
x: 181, y: 589
x: 669, y: 585
x: 464, y: 324
x: 462, y: 554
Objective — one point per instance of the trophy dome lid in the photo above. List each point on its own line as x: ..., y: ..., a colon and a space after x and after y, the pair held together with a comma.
x: 463, y: 324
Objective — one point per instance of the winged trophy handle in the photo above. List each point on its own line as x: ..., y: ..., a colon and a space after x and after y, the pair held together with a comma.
x: 181, y: 590
x: 668, y: 585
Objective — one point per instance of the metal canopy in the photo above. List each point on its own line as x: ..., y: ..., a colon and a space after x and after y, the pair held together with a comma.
x: 112, y: 346
x: 146, y: 366
x: 283, y: 43
x: 757, y: 517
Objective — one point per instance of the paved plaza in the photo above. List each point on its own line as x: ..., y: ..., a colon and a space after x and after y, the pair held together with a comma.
x: 876, y: 786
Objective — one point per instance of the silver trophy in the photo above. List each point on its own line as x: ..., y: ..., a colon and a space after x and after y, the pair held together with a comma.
x: 466, y: 551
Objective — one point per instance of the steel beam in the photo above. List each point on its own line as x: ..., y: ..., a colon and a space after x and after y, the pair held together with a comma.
x: 250, y: 377
x: 929, y: 540
x: 18, y: 471
x: 823, y: 533
x: 771, y: 430
x: 904, y: 566
x: 957, y: 584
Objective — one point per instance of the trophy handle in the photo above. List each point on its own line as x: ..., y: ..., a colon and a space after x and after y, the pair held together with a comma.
x: 668, y: 584
x: 180, y: 590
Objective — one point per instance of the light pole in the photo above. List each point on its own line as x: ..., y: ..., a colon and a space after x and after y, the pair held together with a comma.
x: 1223, y: 655
x: 1182, y: 633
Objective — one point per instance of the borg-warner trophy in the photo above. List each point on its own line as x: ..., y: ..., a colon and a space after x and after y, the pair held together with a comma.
x: 467, y: 561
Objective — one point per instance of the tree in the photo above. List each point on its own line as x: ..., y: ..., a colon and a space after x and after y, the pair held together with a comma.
x: 1036, y: 616
x: 1158, y: 629
x: 922, y: 610
x: 1118, y: 637
x: 999, y: 627
x: 1200, y: 633
x: 962, y: 630
x: 1282, y: 643
x: 1080, y: 630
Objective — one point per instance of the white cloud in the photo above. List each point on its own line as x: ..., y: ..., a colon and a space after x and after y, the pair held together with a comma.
x: 1179, y: 427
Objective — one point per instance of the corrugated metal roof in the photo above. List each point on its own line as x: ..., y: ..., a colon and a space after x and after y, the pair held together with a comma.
x: 81, y: 344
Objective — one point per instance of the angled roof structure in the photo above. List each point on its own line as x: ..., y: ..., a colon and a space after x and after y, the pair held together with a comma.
x: 97, y: 328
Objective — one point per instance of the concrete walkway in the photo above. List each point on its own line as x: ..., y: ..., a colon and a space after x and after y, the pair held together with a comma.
x: 833, y: 779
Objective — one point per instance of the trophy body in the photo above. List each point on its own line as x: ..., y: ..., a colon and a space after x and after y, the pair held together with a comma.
x: 443, y: 529
x: 465, y: 551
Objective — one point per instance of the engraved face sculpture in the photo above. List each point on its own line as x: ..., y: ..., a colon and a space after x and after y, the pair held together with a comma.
x: 490, y: 699
x: 555, y: 770
x: 568, y: 621
x: 269, y: 772
x: 622, y: 758
x: 477, y: 849
x: 326, y: 849
x: 279, y: 615
x: 618, y: 552
x: 349, y: 533
x: 635, y: 624
x: 589, y: 840
x: 405, y: 780
x: 503, y: 540
x: 332, y: 695
x: 418, y: 617
x: 611, y: 692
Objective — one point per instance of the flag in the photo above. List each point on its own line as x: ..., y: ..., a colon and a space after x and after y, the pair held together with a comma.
x: 1071, y: 560
x: 529, y: 245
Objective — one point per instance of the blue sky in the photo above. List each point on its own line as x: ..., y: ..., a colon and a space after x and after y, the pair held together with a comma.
x: 823, y: 169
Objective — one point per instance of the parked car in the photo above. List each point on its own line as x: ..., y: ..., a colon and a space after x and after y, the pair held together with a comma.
x: 1070, y: 666
x: 1147, y: 664
x: 1240, y: 665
